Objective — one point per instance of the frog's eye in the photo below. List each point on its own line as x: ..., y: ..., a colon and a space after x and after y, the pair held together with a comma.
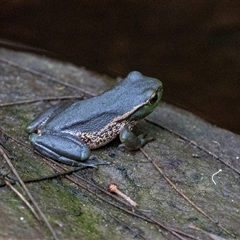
x: 153, y: 99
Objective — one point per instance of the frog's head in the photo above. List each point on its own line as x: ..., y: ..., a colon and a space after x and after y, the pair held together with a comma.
x: 136, y: 96
x: 148, y: 92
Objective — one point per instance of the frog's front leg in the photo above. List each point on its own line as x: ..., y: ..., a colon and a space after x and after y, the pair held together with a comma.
x: 63, y: 148
x: 130, y: 141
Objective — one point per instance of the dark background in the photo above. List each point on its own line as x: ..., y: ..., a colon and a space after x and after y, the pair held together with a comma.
x: 193, y: 47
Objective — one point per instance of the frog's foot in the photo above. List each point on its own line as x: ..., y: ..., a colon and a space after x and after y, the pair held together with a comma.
x: 130, y: 141
x: 145, y: 139
x: 65, y: 149
x: 95, y: 161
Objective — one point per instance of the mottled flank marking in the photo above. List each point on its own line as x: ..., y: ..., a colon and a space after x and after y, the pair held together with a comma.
x: 104, y: 136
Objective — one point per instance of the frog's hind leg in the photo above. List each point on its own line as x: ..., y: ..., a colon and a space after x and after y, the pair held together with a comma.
x: 65, y: 149
x: 41, y: 120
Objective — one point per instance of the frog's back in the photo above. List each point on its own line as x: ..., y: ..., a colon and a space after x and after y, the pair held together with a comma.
x: 82, y: 116
x: 93, y: 114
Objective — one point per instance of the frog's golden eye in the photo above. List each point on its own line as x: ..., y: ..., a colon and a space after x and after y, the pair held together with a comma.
x: 154, y: 98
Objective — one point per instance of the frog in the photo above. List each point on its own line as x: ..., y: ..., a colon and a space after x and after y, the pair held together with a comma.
x: 68, y: 132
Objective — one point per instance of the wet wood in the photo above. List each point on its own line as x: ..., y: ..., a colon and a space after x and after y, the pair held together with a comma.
x: 187, y: 149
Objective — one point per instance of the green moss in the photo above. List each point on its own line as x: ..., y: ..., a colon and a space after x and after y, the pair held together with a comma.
x: 73, y: 215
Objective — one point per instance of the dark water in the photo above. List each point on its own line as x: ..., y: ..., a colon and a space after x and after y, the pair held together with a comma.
x: 192, y: 46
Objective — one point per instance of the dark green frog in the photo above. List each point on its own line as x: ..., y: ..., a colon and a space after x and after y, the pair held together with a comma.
x: 66, y: 133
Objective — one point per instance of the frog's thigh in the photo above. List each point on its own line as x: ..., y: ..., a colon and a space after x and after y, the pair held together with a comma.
x: 34, y: 125
x: 64, y: 148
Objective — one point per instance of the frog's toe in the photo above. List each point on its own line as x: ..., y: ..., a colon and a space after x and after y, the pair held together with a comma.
x: 97, y: 161
x: 121, y: 147
x: 92, y: 161
x: 74, y: 163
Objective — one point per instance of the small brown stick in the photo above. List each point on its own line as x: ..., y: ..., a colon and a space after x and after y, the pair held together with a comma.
x: 113, y: 188
x: 59, y: 167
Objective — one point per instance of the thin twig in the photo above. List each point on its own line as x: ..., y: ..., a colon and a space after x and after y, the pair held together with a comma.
x: 120, y: 222
x: 59, y: 167
x: 213, y: 236
x: 23, y: 198
x: 222, y: 160
x: 183, y: 195
x: 28, y: 193
x: 45, y: 76
x: 39, y: 99
x: 46, y: 178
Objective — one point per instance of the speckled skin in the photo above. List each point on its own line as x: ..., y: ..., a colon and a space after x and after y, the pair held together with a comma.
x: 67, y: 132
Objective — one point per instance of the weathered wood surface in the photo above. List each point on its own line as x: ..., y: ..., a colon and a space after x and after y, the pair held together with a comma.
x: 76, y: 213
